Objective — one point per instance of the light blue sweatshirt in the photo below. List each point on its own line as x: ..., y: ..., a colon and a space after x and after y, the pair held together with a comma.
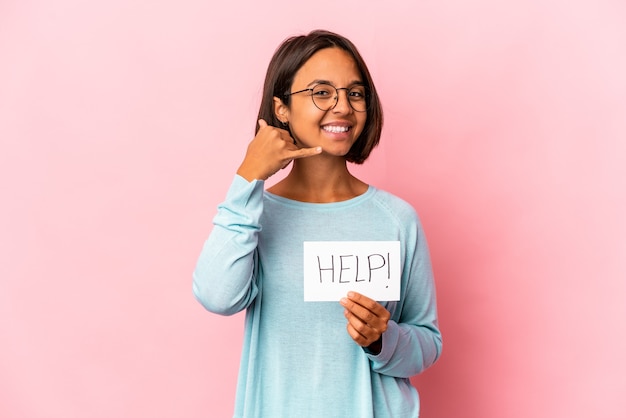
x: 298, y: 359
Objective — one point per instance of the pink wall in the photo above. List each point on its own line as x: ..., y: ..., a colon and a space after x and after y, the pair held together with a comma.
x: 122, y: 122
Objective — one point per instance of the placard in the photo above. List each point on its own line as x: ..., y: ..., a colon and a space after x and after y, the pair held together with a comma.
x: 332, y: 268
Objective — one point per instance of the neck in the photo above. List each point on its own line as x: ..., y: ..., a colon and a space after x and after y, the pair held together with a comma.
x: 319, y: 179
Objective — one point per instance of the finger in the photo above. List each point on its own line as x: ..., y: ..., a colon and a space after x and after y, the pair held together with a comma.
x: 305, y: 152
x: 374, y: 315
x: 367, y: 303
x: 358, y: 324
x: 262, y: 123
x: 356, y: 336
x: 359, y: 303
x: 361, y: 333
x: 364, y: 315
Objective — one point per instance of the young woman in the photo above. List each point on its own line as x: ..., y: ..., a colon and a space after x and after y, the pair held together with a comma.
x: 354, y: 358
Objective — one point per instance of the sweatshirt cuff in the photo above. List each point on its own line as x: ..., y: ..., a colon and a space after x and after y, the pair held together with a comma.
x: 243, y: 205
x: 390, y: 340
x: 244, y: 193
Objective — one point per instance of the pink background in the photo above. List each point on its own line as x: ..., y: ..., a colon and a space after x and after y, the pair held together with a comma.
x: 122, y: 123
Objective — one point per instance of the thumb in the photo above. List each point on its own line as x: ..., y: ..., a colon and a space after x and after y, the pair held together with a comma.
x: 306, y: 152
x: 262, y: 123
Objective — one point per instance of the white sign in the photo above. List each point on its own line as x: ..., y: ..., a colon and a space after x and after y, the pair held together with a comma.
x: 332, y: 268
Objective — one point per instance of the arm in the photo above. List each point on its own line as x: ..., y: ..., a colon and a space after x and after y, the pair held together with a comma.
x: 405, y: 341
x: 412, y: 341
x: 224, y: 278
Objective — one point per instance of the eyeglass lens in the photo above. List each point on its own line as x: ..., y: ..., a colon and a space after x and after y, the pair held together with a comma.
x: 325, y: 97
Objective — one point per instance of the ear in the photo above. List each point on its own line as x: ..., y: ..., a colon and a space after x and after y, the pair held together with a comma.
x: 281, y: 110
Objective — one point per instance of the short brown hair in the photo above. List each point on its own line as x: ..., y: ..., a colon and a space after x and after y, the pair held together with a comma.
x: 287, y: 60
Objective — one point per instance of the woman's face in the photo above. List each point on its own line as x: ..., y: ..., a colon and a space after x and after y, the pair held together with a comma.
x: 336, y: 129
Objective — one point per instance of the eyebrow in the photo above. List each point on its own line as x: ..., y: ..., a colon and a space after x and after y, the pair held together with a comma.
x: 353, y: 83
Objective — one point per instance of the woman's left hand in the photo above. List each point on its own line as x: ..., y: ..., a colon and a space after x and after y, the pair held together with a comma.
x: 367, y: 320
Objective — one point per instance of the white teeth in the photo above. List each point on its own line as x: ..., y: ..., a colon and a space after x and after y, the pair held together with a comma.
x: 335, y: 129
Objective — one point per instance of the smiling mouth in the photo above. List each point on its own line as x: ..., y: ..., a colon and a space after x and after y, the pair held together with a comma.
x: 336, y: 129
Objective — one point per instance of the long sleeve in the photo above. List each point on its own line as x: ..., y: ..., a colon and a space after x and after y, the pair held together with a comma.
x: 224, y: 277
x: 412, y: 342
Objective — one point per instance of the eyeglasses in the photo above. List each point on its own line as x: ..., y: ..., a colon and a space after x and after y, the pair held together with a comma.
x: 326, y: 97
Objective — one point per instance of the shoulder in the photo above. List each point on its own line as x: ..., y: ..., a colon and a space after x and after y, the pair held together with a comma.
x: 395, y: 206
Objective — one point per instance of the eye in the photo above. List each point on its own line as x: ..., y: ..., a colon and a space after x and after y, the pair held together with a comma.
x: 357, y: 93
x: 322, y: 92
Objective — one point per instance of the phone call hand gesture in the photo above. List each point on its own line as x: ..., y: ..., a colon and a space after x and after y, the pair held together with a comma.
x: 271, y: 149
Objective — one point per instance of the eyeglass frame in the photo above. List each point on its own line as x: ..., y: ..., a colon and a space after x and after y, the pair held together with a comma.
x: 347, y: 89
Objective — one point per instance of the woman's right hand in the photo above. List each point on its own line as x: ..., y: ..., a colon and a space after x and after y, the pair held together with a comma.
x: 271, y: 149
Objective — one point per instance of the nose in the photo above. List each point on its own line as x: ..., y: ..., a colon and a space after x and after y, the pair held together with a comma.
x: 342, y: 104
